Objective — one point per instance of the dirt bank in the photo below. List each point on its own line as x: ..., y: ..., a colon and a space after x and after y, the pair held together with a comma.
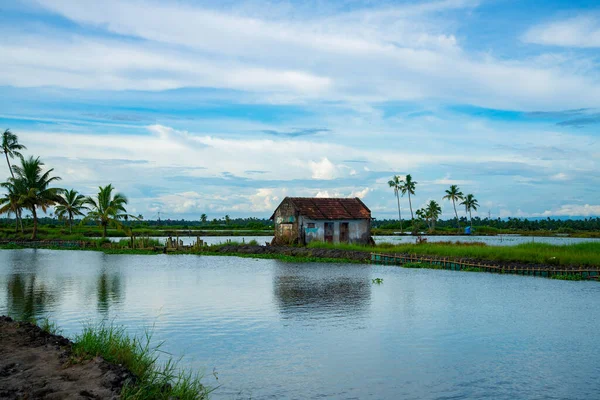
x: 37, y: 365
x: 361, y: 256
x: 295, y: 252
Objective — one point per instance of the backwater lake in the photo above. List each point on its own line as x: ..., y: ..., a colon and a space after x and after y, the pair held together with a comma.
x: 500, y: 240
x: 272, y: 330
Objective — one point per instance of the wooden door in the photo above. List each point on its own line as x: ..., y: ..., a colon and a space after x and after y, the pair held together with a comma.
x: 329, y: 232
x: 344, y: 232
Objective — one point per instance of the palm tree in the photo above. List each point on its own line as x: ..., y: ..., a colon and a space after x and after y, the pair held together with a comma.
x: 433, y: 212
x: 34, y: 187
x: 73, y: 205
x: 470, y: 203
x: 106, y: 209
x: 11, y: 148
x: 395, y: 184
x: 227, y: 219
x: 407, y: 185
x: 454, y: 194
x: 11, y: 202
x: 203, y: 218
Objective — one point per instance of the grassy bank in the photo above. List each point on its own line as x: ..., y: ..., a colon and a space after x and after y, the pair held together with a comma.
x: 582, y: 254
x: 532, y: 253
x: 86, y: 232
x: 150, y: 378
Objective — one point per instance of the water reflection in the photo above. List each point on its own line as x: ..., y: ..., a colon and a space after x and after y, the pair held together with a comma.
x: 299, y: 290
x: 109, y: 290
x: 27, y: 297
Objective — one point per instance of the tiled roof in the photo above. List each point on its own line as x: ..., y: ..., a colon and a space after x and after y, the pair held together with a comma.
x: 331, y: 208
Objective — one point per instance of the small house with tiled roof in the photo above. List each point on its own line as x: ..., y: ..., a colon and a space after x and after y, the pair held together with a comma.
x: 304, y: 219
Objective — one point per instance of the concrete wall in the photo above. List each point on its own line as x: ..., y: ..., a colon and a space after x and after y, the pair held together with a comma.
x: 286, y: 224
x: 359, y: 230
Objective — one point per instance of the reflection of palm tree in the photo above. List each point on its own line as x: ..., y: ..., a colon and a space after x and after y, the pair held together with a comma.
x: 454, y: 194
x: 108, y: 290
x: 26, y: 299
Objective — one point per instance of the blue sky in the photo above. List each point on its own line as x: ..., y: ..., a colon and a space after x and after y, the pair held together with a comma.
x: 226, y: 107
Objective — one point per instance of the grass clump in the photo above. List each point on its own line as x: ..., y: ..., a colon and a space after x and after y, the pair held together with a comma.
x: 585, y: 254
x: 568, y: 277
x: 48, y: 326
x: 154, y: 380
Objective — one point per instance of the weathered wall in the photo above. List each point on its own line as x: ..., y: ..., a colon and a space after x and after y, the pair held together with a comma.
x: 359, y: 230
x: 286, y: 223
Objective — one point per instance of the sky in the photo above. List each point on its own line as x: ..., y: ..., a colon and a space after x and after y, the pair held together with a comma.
x: 226, y: 107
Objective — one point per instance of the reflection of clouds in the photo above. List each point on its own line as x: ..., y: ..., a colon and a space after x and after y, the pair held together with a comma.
x: 302, y: 290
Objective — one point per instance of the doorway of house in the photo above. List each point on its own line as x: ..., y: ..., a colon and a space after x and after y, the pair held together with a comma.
x: 344, y: 232
x: 329, y: 232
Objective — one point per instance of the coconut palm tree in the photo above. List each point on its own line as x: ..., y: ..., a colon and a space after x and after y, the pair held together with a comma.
x: 470, y: 203
x: 454, y: 194
x: 10, y: 203
x: 34, y: 188
x: 203, y: 218
x: 106, y: 209
x: 11, y: 148
x: 394, y: 183
x: 407, y: 185
x: 433, y: 212
x: 73, y: 205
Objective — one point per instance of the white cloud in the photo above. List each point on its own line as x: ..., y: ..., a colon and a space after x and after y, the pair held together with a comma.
x: 366, y: 55
x: 574, y: 210
x: 561, y: 176
x: 582, y: 31
x: 323, y: 169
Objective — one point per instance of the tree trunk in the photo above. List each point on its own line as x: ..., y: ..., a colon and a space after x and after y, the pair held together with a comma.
x: 471, y: 220
x: 9, y: 167
x: 35, y: 223
x: 399, y: 213
x: 412, y: 217
x: 70, y: 223
x: 456, y: 213
x: 19, y: 218
x: 104, y: 231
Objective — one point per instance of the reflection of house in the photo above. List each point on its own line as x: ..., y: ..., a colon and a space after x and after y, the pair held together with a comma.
x: 303, y: 219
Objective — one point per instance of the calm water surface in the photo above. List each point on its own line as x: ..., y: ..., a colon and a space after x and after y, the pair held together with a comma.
x: 500, y: 240
x: 279, y: 330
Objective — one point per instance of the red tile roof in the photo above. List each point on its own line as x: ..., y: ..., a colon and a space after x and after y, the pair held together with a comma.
x: 331, y: 208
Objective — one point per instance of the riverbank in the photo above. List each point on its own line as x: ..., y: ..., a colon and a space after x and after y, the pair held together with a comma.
x: 38, y: 364
x: 536, y: 256
x: 103, y: 362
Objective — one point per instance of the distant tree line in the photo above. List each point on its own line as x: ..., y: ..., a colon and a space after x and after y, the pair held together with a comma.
x: 518, y: 224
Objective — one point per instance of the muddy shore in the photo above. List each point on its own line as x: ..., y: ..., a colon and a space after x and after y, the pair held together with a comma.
x: 35, y: 364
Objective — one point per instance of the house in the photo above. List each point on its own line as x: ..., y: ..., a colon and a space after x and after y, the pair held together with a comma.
x: 304, y: 219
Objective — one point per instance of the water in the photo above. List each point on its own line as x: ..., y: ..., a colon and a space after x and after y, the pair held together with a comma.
x: 501, y: 240
x: 278, y: 330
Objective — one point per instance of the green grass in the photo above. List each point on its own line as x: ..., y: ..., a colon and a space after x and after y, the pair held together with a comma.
x: 154, y: 380
x: 138, y: 243
x: 584, y: 254
x: 568, y: 277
